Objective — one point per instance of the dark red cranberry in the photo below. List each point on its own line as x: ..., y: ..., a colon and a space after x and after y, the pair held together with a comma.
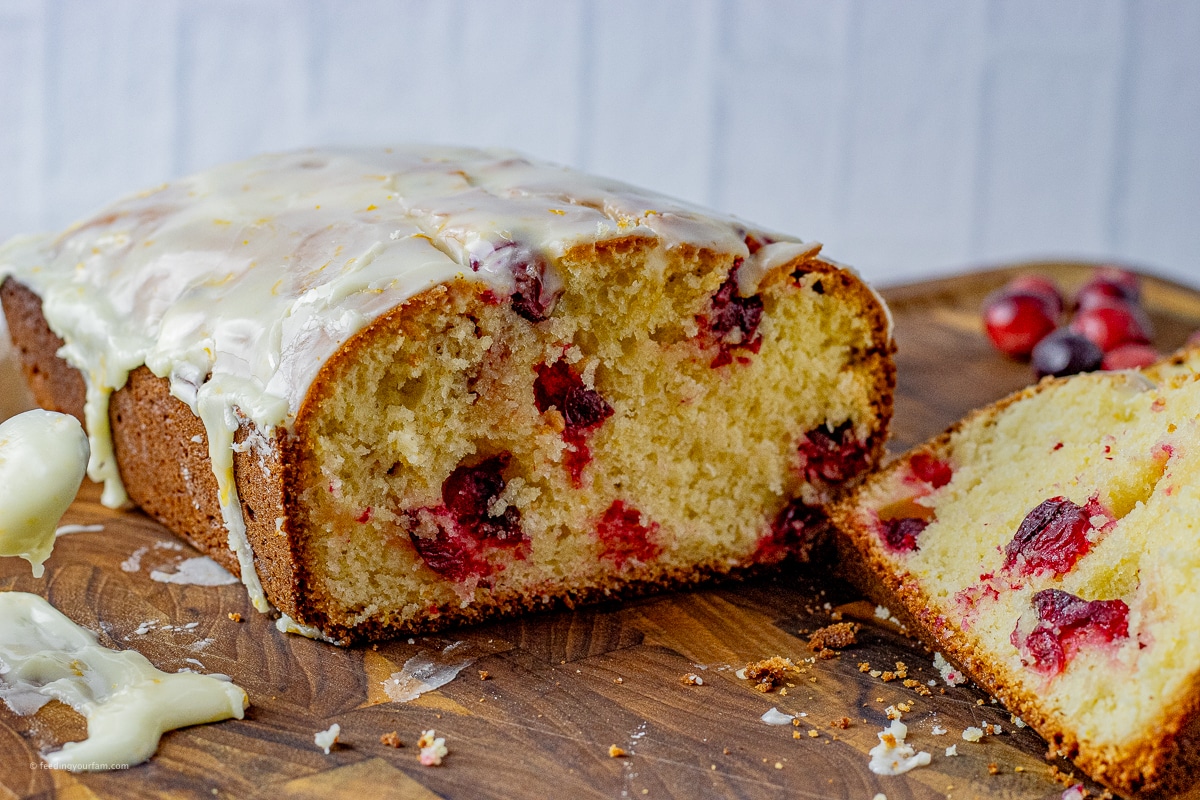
x: 1064, y: 622
x: 900, y: 533
x: 1108, y: 284
x: 1017, y: 320
x: 1193, y: 339
x: 451, y: 554
x: 624, y: 537
x: 1111, y: 324
x: 832, y: 456
x: 934, y: 471
x: 1130, y: 356
x: 1065, y: 353
x: 470, y: 491
x: 733, y: 320
x: 1039, y: 285
x: 559, y: 386
x: 530, y: 299
x: 466, y: 528
x: 793, y: 532
x: 1051, y: 538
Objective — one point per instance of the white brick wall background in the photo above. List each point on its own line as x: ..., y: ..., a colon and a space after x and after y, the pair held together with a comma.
x: 913, y: 138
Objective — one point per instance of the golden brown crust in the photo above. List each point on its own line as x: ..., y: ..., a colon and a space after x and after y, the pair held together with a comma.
x: 55, y: 385
x: 1162, y: 766
x: 162, y: 453
x: 879, y: 357
x: 169, y: 476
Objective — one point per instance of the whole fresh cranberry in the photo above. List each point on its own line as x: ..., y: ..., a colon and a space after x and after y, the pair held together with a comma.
x: 1111, y: 324
x: 1039, y: 285
x: 1065, y: 352
x: 1017, y: 320
x: 1109, y: 283
x: 1130, y: 356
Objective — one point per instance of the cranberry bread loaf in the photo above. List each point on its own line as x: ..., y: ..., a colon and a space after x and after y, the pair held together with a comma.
x: 1050, y: 545
x: 399, y: 389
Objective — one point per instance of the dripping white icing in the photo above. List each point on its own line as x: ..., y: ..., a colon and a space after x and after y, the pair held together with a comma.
x: 42, y: 460
x: 128, y: 703
x: 197, y: 571
x: 286, y: 624
x: 238, y: 283
x: 67, y: 530
x: 425, y: 672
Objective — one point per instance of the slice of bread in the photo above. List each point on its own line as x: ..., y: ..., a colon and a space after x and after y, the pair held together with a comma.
x: 1050, y: 546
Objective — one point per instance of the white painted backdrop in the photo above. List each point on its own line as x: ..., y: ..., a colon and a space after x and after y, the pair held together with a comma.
x: 912, y: 138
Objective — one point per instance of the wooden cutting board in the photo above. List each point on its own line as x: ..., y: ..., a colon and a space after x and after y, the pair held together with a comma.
x: 562, y: 687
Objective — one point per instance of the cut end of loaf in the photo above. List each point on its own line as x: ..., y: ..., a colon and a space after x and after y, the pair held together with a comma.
x: 460, y: 458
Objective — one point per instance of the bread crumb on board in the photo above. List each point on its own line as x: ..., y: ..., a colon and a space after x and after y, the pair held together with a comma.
x: 768, y: 673
x: 433, y: 749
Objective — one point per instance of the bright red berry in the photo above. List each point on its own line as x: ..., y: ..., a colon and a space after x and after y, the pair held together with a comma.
x: 1039, y: 285
x: 934, y: 471
x: 1130, y: 356
x: 1065, y: 622
x: 1017, y: 321
x: 1110, y: 324
x: 1051, y: 538
x: 1109, y: 283
x: 626, y: 537
x: 900, y: 534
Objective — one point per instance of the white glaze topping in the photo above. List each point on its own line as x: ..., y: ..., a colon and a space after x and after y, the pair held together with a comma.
x: 893, y: 756
x: 128, y: 703
x: 195, y: 571
x: 42, y: 460
x: 238, y: 283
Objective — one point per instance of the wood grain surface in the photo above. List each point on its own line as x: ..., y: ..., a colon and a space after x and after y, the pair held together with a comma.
x: 562, y: 687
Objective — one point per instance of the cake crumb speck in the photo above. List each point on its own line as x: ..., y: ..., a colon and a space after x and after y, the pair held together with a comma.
x: 616, y: 752
x: 433, y: 749
x: 838, y: 636
x: 391, y: 739
x: 768, y: 673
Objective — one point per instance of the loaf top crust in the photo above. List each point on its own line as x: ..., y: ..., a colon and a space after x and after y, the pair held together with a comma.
x: 246, y: 278
x: 238, y: 284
